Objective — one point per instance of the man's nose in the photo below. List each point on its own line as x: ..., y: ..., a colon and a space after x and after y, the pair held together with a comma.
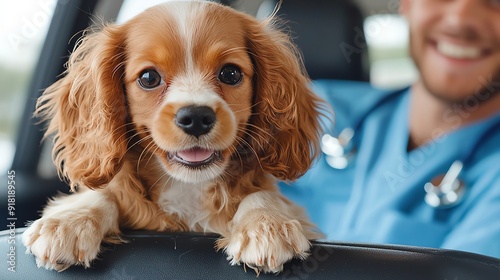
x: 465, y: 14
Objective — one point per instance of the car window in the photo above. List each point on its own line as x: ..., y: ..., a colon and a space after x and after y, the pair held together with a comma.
x: 22, y: 31
x: 387, y: 40
x: 386, y: 34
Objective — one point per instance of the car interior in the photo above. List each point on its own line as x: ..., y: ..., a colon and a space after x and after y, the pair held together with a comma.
x: 330, y: 38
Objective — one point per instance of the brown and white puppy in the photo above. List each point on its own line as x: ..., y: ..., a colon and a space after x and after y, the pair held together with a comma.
x: 181, y: 119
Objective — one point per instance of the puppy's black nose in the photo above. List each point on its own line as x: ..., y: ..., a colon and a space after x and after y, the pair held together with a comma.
x: 195, y: 120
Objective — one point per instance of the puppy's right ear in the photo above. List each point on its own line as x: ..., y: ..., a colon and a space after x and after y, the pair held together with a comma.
x: 288, y: 110
x: 86, y: 111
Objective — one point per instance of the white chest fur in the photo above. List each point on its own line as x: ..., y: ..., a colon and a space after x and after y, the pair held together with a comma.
x: 186, y: 200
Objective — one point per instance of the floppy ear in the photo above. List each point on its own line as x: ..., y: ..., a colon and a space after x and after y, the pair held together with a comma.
x: 286, y: 110
x: 86, y: 111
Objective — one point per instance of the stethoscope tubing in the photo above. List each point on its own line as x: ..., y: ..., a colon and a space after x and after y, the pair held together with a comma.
x: 341, y: 150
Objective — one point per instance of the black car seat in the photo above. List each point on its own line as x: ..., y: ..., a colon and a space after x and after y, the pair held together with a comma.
x: 329, y: 34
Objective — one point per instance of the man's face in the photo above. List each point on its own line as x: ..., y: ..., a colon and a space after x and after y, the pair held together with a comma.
x: 455, y: 45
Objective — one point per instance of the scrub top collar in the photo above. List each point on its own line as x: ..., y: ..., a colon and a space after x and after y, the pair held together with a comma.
x: 435, y: 156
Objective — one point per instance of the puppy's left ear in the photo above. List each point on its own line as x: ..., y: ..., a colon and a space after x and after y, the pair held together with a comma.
x: 286, y: 111
x: 86, y: 111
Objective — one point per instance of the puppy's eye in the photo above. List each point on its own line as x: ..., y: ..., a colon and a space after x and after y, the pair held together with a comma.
x: 149, y: 79
x: 230, y: 74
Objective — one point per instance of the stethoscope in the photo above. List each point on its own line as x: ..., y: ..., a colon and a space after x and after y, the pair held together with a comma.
x: 448, y: 190
x: 340, y: 150
x: 443, y: 191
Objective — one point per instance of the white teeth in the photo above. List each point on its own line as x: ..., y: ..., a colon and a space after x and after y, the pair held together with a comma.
x: 456, y: 51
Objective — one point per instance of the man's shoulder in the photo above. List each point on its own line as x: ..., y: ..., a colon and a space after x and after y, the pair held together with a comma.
x: 487, y: 150
x: 342, y: 88
x: 350, y: 92
x: 352, y: 100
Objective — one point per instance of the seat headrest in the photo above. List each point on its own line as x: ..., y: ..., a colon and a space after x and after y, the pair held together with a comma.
x: 329, y: 34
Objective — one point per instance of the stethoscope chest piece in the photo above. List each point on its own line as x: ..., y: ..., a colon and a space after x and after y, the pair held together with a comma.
x: 447, y: 190
x: 339, y: 150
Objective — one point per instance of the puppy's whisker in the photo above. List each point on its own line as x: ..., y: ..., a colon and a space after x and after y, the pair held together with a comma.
x: 152, y: 153
x: 119, y: 67
x: 134, y: 136
x: 233, y: 50
x: 252, y: 149
x: 249, y: 108
x: 260, y: 131
x: 125, y: 134
x: 234, y: 151
x: 122, y: 126
x: 159, y: 179
x: 164, y: 184
x: 130, y: 147
x: 143, y: 152
x: 259, y: 137
x: 243, y: 142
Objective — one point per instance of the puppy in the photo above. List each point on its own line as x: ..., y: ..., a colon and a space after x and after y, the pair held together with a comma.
x: 180, y: 120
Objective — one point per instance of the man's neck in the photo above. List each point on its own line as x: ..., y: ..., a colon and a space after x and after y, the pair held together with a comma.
x: 431, y: 117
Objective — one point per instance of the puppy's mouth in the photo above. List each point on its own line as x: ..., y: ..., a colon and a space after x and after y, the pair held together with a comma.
x: 195, y: 157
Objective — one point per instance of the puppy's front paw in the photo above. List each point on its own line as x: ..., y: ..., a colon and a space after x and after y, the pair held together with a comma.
x: 58, y: 243
x: 265, y: 241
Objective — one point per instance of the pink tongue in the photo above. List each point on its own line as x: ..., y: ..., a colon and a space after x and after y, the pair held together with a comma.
x: 195, y: 155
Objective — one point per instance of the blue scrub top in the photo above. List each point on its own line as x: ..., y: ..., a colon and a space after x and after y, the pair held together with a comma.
x: 379, y: 197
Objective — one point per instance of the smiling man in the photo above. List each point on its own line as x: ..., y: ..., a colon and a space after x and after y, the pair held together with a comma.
x: 456, y: 47
x: 388, y: 183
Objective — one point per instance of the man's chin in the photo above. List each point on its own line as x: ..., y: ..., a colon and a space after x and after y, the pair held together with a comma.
x: 459, y: 90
